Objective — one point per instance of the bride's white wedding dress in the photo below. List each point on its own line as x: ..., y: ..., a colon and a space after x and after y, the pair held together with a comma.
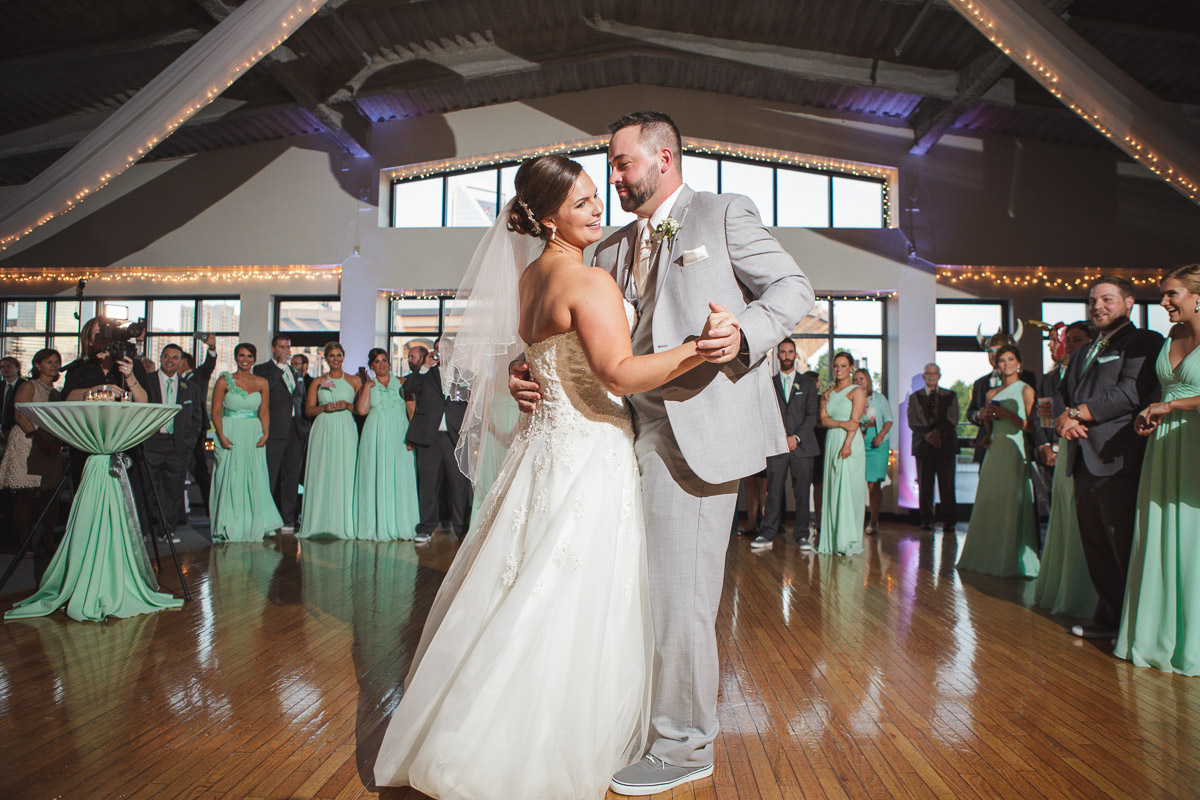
x: 532, y: 677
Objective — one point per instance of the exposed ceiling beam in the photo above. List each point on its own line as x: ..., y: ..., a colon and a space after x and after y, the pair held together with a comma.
x: 58, y: 59
x: 342, y: 122
x: 934, y: 116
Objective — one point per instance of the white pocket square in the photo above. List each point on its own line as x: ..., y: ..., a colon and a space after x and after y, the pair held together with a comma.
x: 1106, y: 359
x: 692, y: 256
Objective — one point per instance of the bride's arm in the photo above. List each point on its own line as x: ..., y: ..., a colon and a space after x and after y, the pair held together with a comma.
x: 599, y: 318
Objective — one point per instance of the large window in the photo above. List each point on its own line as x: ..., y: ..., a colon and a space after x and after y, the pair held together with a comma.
x: 29, y: 325
x: 311, y: 323
x: 786, y: 196
x: 851, y: 324
x: 1145, y: 314
x: 957, y: 324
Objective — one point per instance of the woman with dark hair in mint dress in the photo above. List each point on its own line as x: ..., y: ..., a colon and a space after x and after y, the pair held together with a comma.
x: 386, y: 483
x: 329, y: 510
x: 240, y: 496
x: 1002, y: 537
x: 1160, y: 623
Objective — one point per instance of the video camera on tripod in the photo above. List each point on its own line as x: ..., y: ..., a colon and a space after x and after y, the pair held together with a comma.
x: 115, y: 338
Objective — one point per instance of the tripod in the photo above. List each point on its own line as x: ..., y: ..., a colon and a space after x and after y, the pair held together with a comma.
x: 139, y: 459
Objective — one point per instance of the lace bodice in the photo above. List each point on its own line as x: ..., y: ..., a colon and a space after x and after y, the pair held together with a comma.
x: 572, y: 397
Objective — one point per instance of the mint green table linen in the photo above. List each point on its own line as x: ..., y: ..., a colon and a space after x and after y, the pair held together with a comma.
x: 101, y: 568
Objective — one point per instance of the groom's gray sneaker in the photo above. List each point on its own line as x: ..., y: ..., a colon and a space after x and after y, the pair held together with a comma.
x: 652, y: 775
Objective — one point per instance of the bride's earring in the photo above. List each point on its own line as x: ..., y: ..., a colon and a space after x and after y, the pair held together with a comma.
x: 553, y: 233
x: 1197, y: 309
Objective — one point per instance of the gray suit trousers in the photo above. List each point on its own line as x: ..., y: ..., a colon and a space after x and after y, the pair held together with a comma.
x: 687, y: 531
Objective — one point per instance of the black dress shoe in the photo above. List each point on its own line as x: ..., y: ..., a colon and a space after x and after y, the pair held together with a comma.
x: 926, y: 526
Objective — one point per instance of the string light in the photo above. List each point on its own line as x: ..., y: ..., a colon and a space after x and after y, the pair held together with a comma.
x: 1051, y: 81
x: 448, y: 294
x: 223, y: 274
x: 297, y: 17
x: 1067, y: 279
x: 888, y: 176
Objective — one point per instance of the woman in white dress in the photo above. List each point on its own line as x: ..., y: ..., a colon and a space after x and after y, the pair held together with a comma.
x: 532, y: 676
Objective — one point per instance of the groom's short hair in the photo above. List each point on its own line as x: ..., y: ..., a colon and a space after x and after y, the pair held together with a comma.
x: 657, y: 130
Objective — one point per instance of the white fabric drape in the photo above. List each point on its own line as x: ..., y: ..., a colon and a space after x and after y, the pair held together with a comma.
x: 190, y: 83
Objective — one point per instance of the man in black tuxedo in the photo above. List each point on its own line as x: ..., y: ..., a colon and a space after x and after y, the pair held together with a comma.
x: 168, y: 451
x: 933, y: 420
x: 304, y: 422
x: 799, y: 405
x: 433, y: 433
x: 1105, y: 387
x: 285, y: 408
x: 201, y: 376
x: 10, y: 373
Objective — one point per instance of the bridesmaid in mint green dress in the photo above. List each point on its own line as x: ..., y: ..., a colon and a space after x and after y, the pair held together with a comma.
x: 1160, y: 623
x: 386, y: 486
x: 1002, y: 537
x: 844, y: 491
x: 240, y: 497
x: 328, y: 510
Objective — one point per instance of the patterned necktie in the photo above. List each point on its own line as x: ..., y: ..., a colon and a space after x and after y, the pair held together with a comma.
x: 171, y: 401
x: 288, y: 378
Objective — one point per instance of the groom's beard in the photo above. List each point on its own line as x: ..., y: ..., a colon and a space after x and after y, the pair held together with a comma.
x: 638, y: 194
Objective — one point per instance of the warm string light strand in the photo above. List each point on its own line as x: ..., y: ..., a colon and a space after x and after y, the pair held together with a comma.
x: 221, y: 275
x: 1066, y: 279
x: 1050, y: 80
x: 299, y: 14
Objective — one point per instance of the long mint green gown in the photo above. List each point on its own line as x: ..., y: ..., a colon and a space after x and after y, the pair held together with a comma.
x: 240, y: 497
x: 329, y: 510
x: 386, y: 486
x: 844, y: 492
x: 1002, y: 537
x: 1064, y: 586
x: 1160, y: 623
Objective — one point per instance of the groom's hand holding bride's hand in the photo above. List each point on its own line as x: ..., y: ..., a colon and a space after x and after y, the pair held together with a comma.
x: 721, y: 339
x: 522, y: 387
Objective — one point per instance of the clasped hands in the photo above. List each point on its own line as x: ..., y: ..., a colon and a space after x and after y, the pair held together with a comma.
x: 1148, y: 419
x: 720, y: 341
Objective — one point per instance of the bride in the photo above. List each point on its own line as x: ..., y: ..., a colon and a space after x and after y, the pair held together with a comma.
x: 532, y: 676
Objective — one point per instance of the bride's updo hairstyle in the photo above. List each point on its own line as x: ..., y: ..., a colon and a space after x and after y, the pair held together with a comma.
x: 542, y: 185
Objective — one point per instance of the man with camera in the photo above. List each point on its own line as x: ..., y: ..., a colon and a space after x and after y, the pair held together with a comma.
x: 169, y: 451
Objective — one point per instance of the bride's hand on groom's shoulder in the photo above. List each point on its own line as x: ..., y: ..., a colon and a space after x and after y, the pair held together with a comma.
x: 721, y: 338
x: 523, y: 388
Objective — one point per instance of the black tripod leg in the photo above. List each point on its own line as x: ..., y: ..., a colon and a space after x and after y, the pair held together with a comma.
x: 33, y: 531
x: 140, y: 455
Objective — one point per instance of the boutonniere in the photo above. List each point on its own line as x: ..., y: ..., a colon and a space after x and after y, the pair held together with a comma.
x: 327, y: 384
x: 667, y: 229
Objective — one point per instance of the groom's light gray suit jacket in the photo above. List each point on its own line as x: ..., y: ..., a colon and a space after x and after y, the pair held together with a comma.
x: 725, y: 417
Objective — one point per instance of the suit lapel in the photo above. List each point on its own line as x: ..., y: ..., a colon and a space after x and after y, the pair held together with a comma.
x: 679, y: 214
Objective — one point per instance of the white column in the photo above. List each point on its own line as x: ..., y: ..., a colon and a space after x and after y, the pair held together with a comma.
x: 913, y: 331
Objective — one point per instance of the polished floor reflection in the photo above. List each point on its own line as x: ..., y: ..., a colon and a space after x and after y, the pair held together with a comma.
x: 886, y: 674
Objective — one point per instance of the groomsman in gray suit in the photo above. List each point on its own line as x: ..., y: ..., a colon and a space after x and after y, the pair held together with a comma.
x: 798, y: 403
x: 698, y: 435
x: 1105, y: 386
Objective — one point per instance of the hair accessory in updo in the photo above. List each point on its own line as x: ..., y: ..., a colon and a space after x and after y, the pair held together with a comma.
x: 537, y: 228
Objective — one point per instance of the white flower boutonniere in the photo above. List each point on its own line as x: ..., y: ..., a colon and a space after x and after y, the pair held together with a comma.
x: 667, y: 229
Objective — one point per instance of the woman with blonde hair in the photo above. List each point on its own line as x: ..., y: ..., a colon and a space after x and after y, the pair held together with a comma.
x: 1159, y: 622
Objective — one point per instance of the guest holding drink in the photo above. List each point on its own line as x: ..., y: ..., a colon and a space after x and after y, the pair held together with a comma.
x: 243, y: 509
x: 1064, y: 585
x: 386, y: 483
x: 1002, y: 536
x: 875, y: 423
x: 1160, y: 621
x: 32, y: 463
x: 845, y: 469
x: 332, y: 452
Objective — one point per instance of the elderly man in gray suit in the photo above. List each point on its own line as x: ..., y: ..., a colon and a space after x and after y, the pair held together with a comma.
x: 698, y: 435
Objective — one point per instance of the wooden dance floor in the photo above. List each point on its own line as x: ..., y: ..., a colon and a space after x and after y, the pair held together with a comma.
x: 878, y: 676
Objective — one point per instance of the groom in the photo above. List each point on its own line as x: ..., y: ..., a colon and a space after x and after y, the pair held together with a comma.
x: 700, y: 434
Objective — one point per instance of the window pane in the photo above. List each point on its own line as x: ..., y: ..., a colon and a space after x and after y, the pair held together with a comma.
x: 803, y: 199
x: 220, y: 316
x: 507, y: 176
x: 868, y: 355
x: 471, y: 199
x: 310, y: 315
x: 817, y: 320
x: 617, y: 217
x: 753, y: 181
x: 25, y: 316
x: 417, y: 204
x: 858, y: 316
x: 67, y: 347
x: 452, y: 315
x: 1157, y: 319
x: 414, y: 315
x: 64, y: 315
x: 813, y: 354
x: 700, y: 173
x: 172, y: 315
x: 1058, y: 311
x: 967, y: 319
x: 22, y: 348
x: 596, y: 166
x: 857, y: 204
